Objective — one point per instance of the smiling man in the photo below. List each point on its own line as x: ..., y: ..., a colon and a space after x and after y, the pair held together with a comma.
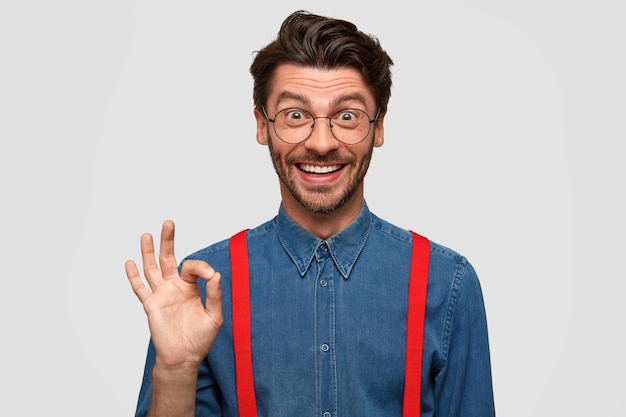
x: 325, y: 310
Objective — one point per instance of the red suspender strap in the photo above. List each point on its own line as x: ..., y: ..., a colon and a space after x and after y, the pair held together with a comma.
x: 418, y: 282
x: 241, y: 325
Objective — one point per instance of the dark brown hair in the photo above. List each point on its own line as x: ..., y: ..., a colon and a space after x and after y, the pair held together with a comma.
x: 317, y: 41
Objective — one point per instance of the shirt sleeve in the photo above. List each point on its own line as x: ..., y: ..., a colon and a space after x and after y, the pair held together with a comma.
x: 143, y: 402
x: 463, y: 387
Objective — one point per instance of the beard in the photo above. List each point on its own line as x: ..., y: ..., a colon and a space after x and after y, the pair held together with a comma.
x: 320, y: 199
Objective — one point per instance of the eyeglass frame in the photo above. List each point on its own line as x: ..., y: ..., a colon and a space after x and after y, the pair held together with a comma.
x: 330, y: 124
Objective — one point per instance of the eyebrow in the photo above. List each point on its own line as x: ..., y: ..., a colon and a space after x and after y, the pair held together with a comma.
x: 287, y: 95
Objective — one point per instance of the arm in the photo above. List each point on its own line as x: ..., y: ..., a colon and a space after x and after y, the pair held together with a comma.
x: 181, y: 328
x: 463, y: 387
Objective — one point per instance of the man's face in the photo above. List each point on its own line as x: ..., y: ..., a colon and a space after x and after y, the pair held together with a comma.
x: 320, y: 174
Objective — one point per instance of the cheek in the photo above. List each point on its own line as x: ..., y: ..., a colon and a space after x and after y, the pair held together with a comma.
x: 277, y: 155
x: 365, y: 155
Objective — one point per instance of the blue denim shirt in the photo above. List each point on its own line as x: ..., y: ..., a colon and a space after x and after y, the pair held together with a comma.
x: 329, y: 324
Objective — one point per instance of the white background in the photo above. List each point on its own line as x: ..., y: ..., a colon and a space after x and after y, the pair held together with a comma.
x: 503, y: 141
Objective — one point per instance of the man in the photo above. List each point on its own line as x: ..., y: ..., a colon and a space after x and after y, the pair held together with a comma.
x: 323, y: 320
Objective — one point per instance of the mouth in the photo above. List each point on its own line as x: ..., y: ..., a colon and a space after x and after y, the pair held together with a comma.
x: 319, y: 169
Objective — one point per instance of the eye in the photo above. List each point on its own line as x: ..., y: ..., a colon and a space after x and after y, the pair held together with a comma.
x: 346, y: 116
x: 295, y: 115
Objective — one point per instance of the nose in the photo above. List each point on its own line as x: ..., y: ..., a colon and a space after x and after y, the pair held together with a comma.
x: 322, y: 140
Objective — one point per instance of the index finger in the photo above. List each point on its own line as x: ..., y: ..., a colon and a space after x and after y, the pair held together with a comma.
x: 167, y: 258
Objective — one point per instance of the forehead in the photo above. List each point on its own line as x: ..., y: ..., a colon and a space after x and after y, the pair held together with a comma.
x: 318, y: 86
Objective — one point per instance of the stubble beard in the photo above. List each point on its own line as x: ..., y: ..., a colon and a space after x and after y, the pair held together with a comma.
x: 319, y: 199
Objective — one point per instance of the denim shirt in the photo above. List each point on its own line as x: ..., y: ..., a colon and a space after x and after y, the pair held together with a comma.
x: 329, y: 324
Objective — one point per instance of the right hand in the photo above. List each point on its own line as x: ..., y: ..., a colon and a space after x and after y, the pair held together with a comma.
x: 182, y: 329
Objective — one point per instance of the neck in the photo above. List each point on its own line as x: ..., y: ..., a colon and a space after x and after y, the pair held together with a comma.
x: 324, y: 225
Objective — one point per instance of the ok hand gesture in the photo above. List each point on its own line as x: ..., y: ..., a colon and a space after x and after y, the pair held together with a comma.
x: 182, y: 329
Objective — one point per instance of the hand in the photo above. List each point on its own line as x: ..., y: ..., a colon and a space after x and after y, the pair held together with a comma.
x: 182, y: 329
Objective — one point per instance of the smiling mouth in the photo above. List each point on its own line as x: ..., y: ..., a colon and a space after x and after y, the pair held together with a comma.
x: 316, y: 169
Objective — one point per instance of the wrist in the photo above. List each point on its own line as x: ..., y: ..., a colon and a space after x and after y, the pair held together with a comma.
x: 173, y: 390
x: 177, y: 371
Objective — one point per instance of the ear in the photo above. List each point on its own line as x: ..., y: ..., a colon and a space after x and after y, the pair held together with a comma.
x: 379, y: 131
x: 261, y: 127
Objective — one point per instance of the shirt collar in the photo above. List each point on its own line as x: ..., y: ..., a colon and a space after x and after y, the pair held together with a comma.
x: 344, y: 247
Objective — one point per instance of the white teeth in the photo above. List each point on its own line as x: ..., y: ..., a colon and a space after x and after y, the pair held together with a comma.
x: 318, y: 169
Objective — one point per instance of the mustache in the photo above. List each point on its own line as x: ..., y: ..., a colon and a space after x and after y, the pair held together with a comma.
x: 332, y: 157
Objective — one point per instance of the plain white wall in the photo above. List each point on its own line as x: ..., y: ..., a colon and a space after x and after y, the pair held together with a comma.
x: 503, y: 141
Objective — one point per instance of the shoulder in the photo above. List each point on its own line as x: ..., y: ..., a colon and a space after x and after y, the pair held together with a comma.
x: 217, y: 254
x: 404, y: 236
x: 447, y: 266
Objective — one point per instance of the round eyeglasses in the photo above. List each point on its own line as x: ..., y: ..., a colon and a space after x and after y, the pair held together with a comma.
x: 294, y: 125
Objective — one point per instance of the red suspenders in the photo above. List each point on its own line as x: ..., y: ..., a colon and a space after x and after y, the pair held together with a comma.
x: 416, y: 311
x: 246, y: 398
x: 418, y: 281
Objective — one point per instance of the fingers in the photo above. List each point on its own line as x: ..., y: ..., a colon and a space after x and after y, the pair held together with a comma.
x: 150, y: 268
x: 167, y: 258
x: 136, y: 283
x: 192, y: 269
x: 214, y: 299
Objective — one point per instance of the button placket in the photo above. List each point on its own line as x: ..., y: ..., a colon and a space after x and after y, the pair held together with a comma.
x: 325, y: 328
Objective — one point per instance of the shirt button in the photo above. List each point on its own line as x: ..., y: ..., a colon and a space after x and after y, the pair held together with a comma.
x: 325, y: 348
x: 324, y: 248
x: 323, y: 282
x: 326, y: 414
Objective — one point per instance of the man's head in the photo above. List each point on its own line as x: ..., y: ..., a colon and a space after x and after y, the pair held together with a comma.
x: 321, y: 91
x: 310, y: 40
